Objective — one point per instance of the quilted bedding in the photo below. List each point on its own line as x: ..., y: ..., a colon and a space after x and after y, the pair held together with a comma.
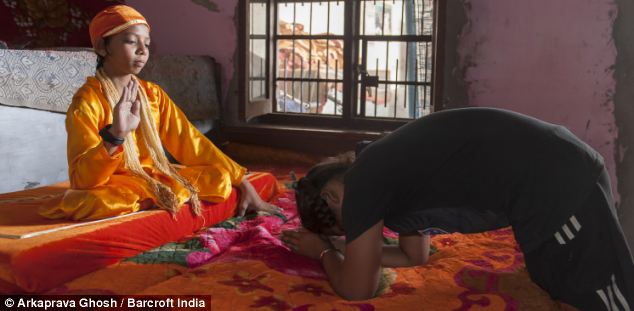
x: 37, y: 254
x: 242, y: 264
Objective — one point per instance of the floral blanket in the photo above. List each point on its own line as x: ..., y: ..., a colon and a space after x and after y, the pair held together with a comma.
x: 243, y: 265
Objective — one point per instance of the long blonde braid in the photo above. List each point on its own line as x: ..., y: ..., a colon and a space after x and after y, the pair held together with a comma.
x: 166, y: 199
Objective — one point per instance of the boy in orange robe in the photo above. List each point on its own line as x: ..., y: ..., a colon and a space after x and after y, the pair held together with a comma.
x: 117, y: 127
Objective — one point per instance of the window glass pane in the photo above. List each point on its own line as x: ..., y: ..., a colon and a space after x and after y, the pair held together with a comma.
x: 392, y: 101
x: 335, y: 18
x: 426, y: 61
x: 426, y: 15
x: 395, y: 59
x: 393, y: 18
x: 310, y: 76
x: 257, y: 21
x: 309, y: 58
x: 287, y: 98
x: 305, y: 58
x: 257, y: 50
x: 257, y: 68
x: 403, y: 70
x: 310, y: 18
x: 424, y: 100
x: 285, y: 18
x: 399, y: 60
x: 309, y: 97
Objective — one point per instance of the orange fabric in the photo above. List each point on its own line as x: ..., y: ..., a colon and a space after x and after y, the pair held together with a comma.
x: 112, y: 17
x: 39, y: 263
x: 469, y: 272
x: 101, y: 184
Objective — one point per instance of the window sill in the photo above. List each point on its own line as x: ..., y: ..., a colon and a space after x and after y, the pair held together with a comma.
x: 311, y: 140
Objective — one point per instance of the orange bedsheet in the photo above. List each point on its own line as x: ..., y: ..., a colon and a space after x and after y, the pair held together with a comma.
x: 39, y: 263
x: 242, y: 264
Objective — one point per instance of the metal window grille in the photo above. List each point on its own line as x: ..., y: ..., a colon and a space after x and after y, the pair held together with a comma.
x: 393, y: 77
x: 309, y: 46
x: 395, y: 57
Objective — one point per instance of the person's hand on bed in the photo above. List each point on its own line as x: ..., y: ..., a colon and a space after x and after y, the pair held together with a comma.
x: 304, y: 242
x: 250, y: 201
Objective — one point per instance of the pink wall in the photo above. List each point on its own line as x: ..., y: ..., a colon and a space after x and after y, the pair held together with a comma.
x: 549, y: 59
x: 184, y: 27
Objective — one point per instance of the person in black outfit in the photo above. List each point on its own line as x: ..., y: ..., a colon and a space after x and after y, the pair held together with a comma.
x: 470, y: 170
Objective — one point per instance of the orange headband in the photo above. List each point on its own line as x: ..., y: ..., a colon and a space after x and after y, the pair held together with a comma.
x: 113, y: 20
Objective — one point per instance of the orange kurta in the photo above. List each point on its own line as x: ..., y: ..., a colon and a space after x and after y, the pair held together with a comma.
x: 101, y: 186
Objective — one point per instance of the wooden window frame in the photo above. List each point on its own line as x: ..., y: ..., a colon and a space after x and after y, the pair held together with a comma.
x: 260, y: 112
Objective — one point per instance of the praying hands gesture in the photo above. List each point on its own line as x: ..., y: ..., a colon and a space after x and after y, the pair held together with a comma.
x: 306, y: 243
x: 126, y: 115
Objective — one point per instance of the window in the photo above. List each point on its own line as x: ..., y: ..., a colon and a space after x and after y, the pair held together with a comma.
x: 349, y: 61
x: 309, y: 46
x: 258, y: 51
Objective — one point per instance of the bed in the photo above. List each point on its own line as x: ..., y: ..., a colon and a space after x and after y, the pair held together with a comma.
x: 37, y: 254
x: 242, y: 264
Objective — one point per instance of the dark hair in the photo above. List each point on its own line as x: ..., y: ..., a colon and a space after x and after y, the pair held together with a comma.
x: 101, y: 59
x: 313, y: 210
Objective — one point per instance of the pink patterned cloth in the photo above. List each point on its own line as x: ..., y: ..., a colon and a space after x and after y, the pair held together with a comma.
x: 258, y: 239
